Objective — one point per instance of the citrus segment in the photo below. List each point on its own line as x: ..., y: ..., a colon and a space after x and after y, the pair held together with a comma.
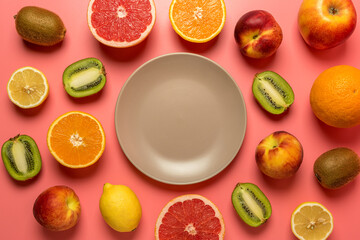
x: 197, y: 20
x: 121, y: 23
x: 335, y: 96
x: 76, y: 139
x: 311, y: 221
x: 190, y: 216
x: 27, y: 87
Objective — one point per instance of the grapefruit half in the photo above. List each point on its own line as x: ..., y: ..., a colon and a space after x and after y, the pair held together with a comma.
x: 121, y: 23
x: 190, y: 216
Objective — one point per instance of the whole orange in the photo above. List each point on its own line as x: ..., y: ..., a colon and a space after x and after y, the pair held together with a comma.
x: 335, y: 96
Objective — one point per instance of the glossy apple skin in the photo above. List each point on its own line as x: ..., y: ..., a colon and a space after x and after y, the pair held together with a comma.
x: 321, y: 28
x: 57, y: 208
x: 257, y: 34
x: 279, y: 155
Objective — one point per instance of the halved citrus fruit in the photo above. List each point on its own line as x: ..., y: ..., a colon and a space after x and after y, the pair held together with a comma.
x: 76, y: 139
x: 27, y: 87
x: 120, y: 23
x: 190, y: 216
x: 311, y: 221
x: 197, y: 20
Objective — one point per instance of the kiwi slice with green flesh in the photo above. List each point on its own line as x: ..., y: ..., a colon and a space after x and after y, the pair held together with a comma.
x: 272, y: 92
x: 251, y: 204
x: 21, y: 157
x: 84, y: 78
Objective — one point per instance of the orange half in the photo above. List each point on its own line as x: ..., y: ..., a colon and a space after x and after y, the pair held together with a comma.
x: 76, y: 139
x: 197, y: 20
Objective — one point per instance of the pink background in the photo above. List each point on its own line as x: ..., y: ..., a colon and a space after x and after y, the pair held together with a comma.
x: 297, y: 63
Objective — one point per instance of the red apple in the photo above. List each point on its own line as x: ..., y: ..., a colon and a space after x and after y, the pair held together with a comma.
x: 57, y: 208
x: 258, y: 34
x: 279, y: 155
x: 324, y: 24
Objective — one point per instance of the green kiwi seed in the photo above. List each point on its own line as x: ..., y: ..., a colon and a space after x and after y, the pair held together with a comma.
x: 251, y: 204
x: 21, y: 157
x: 84, y: 77
x: 272, y: 92
x: 39, y: 26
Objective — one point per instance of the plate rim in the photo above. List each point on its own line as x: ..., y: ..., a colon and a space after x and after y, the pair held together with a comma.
x: 181, y: 182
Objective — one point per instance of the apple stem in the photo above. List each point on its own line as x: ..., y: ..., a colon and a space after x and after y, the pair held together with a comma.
x: 333, y: 10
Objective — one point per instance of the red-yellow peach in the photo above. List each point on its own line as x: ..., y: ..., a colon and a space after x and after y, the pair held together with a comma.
x: 258, y: 34
x: 279, y: 155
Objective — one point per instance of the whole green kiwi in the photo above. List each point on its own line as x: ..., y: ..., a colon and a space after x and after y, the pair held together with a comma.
x: 337, y: 167
x: 39, y: 26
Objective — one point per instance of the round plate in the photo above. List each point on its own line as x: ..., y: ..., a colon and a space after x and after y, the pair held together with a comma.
x: 180, y: 118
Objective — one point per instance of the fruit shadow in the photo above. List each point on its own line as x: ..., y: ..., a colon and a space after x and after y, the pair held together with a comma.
x: 197, y: 47
x: 274, y: 117
x: 124, y: 54
x: 59, y: 235
x: 253, y: 231
x: 325, y: 54
x: 88, y: 99
x: 28, y: 112
x: 260, y: 63
x: 340, y: 192
x: 122, y: 235
x: 78, y: 173
x: 43, y: 49
x: 282, y: 184
x: 340, y: 135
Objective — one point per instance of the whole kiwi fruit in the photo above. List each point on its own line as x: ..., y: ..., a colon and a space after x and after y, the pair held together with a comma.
x: 21, y: 157
x: 39, y: 26
x: 337, y: 167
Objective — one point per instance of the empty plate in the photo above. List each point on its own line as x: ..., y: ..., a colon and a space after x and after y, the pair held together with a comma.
x: 180, y: 118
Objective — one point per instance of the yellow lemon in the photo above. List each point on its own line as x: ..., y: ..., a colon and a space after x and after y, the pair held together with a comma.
x: 120, y: 207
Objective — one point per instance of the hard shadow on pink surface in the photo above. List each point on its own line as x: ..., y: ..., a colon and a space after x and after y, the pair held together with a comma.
x: 79, y: 173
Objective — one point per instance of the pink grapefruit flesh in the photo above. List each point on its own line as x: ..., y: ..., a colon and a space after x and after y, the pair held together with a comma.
x: 121, y: 23
x: 190, y: 216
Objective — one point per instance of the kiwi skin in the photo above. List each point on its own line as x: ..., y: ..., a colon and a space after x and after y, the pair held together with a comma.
x: 32, y: 157
x: 39, y: 26
x: 336, y: 167
x: 251, y: 204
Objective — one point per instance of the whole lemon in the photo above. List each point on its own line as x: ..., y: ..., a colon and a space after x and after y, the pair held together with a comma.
x: 120, y: 207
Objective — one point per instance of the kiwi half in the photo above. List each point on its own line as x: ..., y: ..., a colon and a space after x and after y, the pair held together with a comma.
x: 84, y: 78
x: 272, y: 92
x: 21, y: 157
x: 251, y: 204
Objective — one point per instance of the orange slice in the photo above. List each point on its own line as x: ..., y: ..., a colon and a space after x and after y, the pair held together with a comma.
x: 76, y: 139
x: 310, y: 221
x: 197, y: 20
x: 27, y: 87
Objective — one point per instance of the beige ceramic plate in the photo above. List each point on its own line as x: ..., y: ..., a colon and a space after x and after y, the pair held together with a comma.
x: 180, y: 118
